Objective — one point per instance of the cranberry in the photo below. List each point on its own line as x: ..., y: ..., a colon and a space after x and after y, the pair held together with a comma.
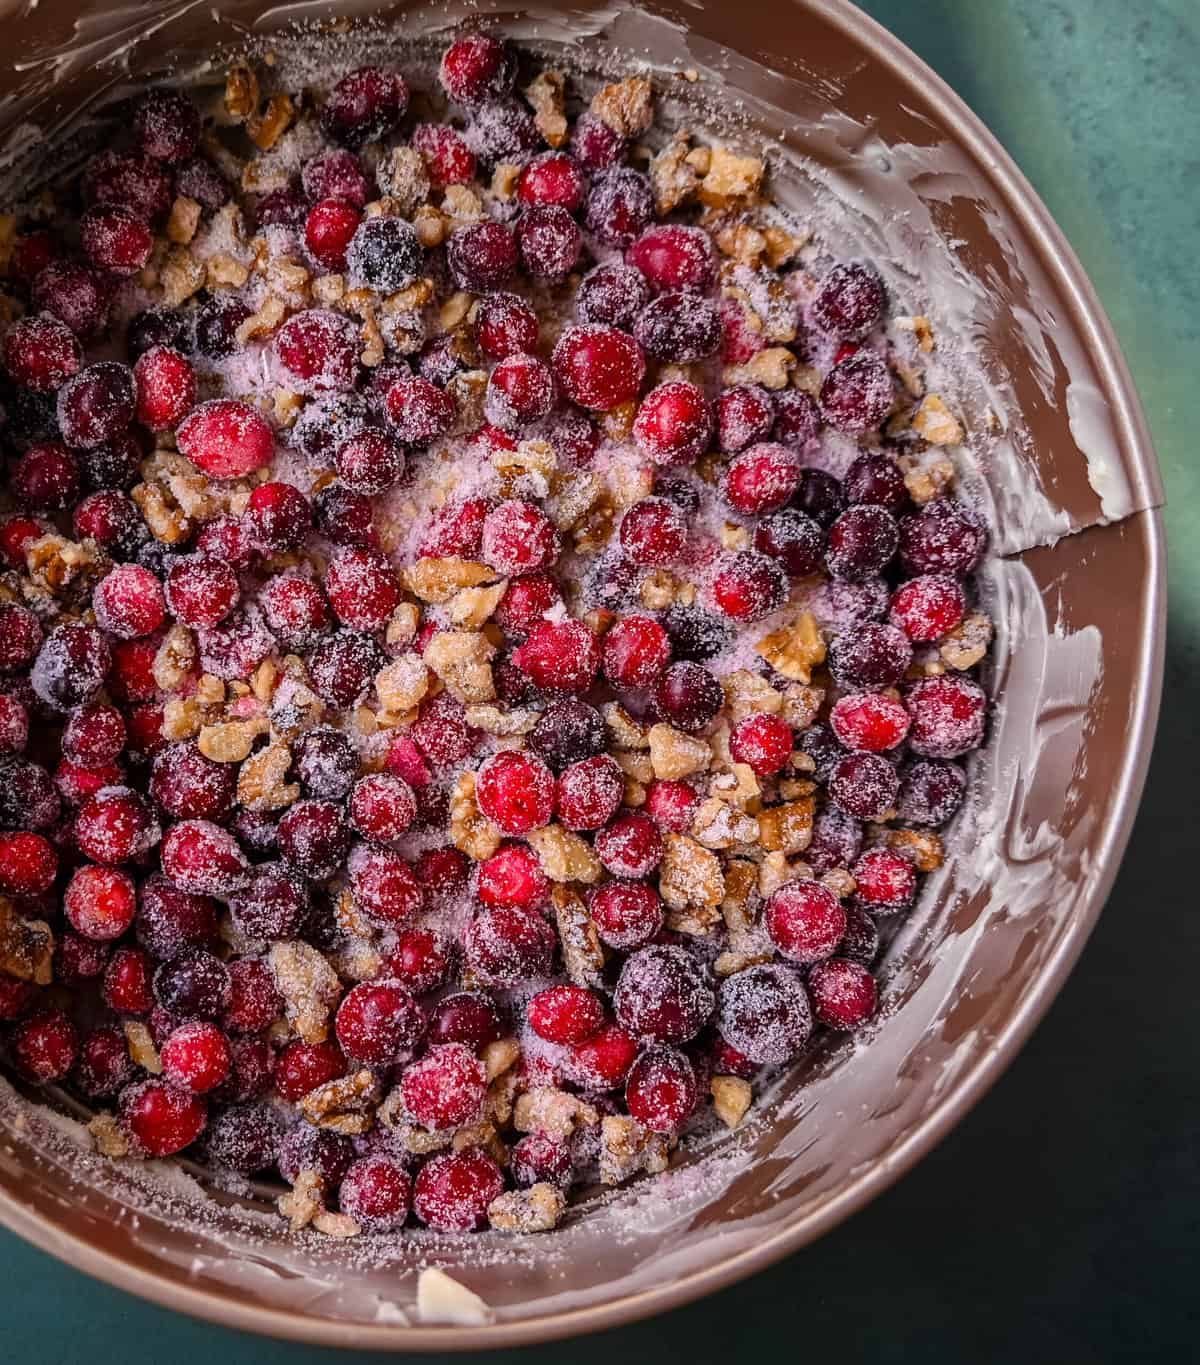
x: 589, y: 793
x: 382, y: 807
x: 636, y: 651
x: 441, y: 731
x: 869, y: 721
x: 319, y: 350
x: 20, y: 637
x: 762, y: 479
x: 453, y: 1190
x: 864, y: 785
x: 343, y: 667
x: 278, y: 516
x: 671, y: 804
x: 549, y: 240
x: 14, y: 726
x: 885, y: 881
x: 44, y: 1046
x: 679, y: 326
x: 674, y: 257
x: 305, y: 1148
x: 931, y: 791
x: 129, y: 602
x: 28, y: 799
x: 476, y: 67
x: 115, y: 240
x: 663, y: 995
x: 603, y: 1062
x: 520, y: 390
x: 314, y: 838
x: 843, y: 993
x: 537, y: 1159
x: 502, y: 131
x: 597, y: 146
x: 482, y: 257
x: 15, y: 997
x: 943, y: 538
x: 201, y: 857
x: 273, y: 906
x: 445, y: 1089
x: 378, y: 1022
x: 104, y: 1064
x: 338, y: 175
x: 344, y: 516
x: 612, y: 295
x: 630, y: 846
x: 73, y: 294
x: 97, y: 404
x: 216, y: 326
x: 744, y: 417
x: 198, y: 179
x: 763, y: 741
x: 849, y: 301
x: 857, y: 394
x: 109, y: 518
x: 41, y: 353
x: 376, y: 1191
x: 513, y: 877
x: 566, y: 1014
x: 673, y: 425
x: 764, y: 1013
x: 193, y: 982
x: 301, y: 1067
x: 516, y: 792
x: 31, y: 253
x: 166, y: 125
x: 948, y: 714
x: 364, y: 106
x: 448, y: 159
x: 362, y: 589
x: 688, y: 696
x: 457, y: 530
x: 160, y: 1118
x: 928, y: 607
x: 805, y: 920
x: 295, y: 610
x: 170, y: 919
x: 740, y: 341
x: 384, y: 255
x: 873, y: 656
x: 626, y: 914
x: 505, y: 325
x: 662, y: 1090
x: 620, y: 206
x: 254, y: 1002
x: 443, y: 872
x: 820, y: 496
x: 115, y: 826
x: 748, y: 586
x: 469, y: 1017
x: 861, y: 941
x: 598, y: 367
x: 46, y: 477
x: 507, y: 946
x: 196, y: 1057
x: 100, y: 902
x: 166, y: 387
x: 560, y: 656
x: 861, y: 541
x: 385, y: 890
x: 244, y: 1138
x: 877, y: 480
x: 653, y: 533
x: 793, y: 538
x: 419, y: 411
x: 202, y: 592
x: 567, y: 732
x: 226, y: 438
x: 236, y: 647
x: 552, y: 178
x: 284, y: 208
x: 156, y: 327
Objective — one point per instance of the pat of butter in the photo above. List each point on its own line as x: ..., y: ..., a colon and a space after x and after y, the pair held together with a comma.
x: 442, y: 1299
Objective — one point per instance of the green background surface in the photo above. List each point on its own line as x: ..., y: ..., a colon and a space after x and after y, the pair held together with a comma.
x: 1059, y: 1222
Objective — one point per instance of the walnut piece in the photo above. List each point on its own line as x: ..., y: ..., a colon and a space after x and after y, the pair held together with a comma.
x: 26, y: 946
x: 346, y: 1105
x: 462, y: 659
x: 262, y: 780
x: 536, y: 1209
x: 583, y: 955
x: 923, y: 846
x: 936, y: 423
x: 304, y: 1201
x: 787, y: 829
x: 108, y: 1136
x: 627, y: 106
x: 731, y: 1099
x: 689, y: 874
x: 471, y: 608
x: 309, y: 986
x: 546, y: 94
x: 674, y: 175
x: 564, y: 856
x: 717, y: 824
x: 231, y: 741
x: 794, y: 650
x: 968, y: 642
x: 674, y: 754
x: 438, y: 580
x: 553, y: 1112
x: 183, y: 221
x: 471, y: 832
x: 732, y: 180
x: 141, y: 1046
x: 627, y: 1148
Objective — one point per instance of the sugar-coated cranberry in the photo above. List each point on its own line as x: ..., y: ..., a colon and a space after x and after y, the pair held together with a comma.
x: 688, y: 696
x: 73, y: 294
x: 552, y: 178
x: 502, y: 131
x: 194, y: 982
x: 626, y: 914
x: 630, y: 845
x: 46, y: 477
x: 549, y: 241
x: 942, y: 538
x: 41, y: 353
x: 764, y: 1013
x: 520, y: 390
x: 482, y: 257
x: 236, y: 647
x: 748, y: 585
x: 740, y: 341
x: 382, y: 807
x: 104, y: 1064
x: 201, y: 857
x: 512, y: 876
x: 612, y: 295
x: 441, y: 732
x: 201, y: 592
x: 343, y: 666
x: 597, y: 146
x: 278, y: 516
x: 419, y: 961
x: 445, y: 1088
x: 948, y: 715
x: 115, y: 240
x: 476, y: 67
x: 878, y: 480
x: 568, y: 731
x: 872, y: 656
x: 170, y: 919
x: 295, y: 610
x: 763, y: 741
x: 674, y: 257
x: 302, y: 1067
x: 636, y: 651
x: 885, y: 881
x: 226, y: 438
x: 516, y: 792
x: 620, y: 206
x: 384, y: 254
x: 671, y: 803
x: 166, y: 387
x: 97, y: 404
x: 319, y: 350
x: 28, y: 799
x: 364, y: 106
x: 653, y: 532
x: 305, y: 1148
x: 849, y: 300
x: 78, y: 959
x: 285, y: 207
x: 156, y: 327
x: 588, y: 793
x: 31, y: 253
x: 362, y: 588
x: 843, y: 993
x: 662, y: 1090
x: 243, y: 1138
x: 792, y: 537
x: 115, y: 826
x: 453, y: 1190
x: 505, y: 325
x: 166, y: 125
x: 386, y: 891
x: 196, y: 1056
x: 197, y: 178
x: 673, y: 424
x: 216, y: 324
x: 14, y: 725
x: 744, y: 417
x: 469, y: 1017
x: 560, y: 656
x: 506, y: 945
x: 820, y: 496
x: 20, y: 637
x: 928, y: 607
x: 805, y: 920
x: 864, y: 785
x: 857, y: 394
x: 931, y: 791
x: 44, y: 1046
x: 419, y: 411
x: 663, y: 995
x: 447, y: 157
x: 273, y: 906
x: 537, y: 1159
x: 861, y: 541
x: 161, y: 1118
x: 254, y: 1001
x: 598, y: 367
x: 100, y: 902
x: 761, y: 479
x: 565, y: 1014
x: 314, y: 838
x: 457, y: 530
x: 378, y: 1023
x: 679, y: 326
x: 603, y: 1062
x: 71, y: 666
x: 376, y: 1192
x: 129, y: 602
x: 109, y: 518
x: 869, y: 721
x: 337, y: 175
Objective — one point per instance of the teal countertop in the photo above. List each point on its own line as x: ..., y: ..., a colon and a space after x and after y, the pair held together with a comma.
x: 1058, y: 1223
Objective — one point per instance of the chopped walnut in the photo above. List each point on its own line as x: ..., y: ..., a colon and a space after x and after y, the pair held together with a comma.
x: 536, y: 1209
x: 26, y: 946
x: 346, y: 1105
x: 623, y: 730
x: 737, y: 785
x: 462, y: 205
x: 746, y: 694
x: 787, y: 829
x: 564, y: 856
x: 801, y: 704
x: 337, y: 1225
x: 927, y: 478
x: 936, y: 423
x: 295, y: 707
x: 473, y: 607
x: 674, y: 175
x: 309, y: 986
x: 795, y: 649
x: 438, y: 580
x: 500, y: 1056
x: 262, y: 780
x: 183, y: 221
x: 732, y: 961
x: 546, y: 94
x: 181, y: 275
x: 231, y: 741
x: 266, y: 129
x: 732, y: 1097
x: 462, y: 659
x: 553, y: 1112
x: 141, y: 1046
x: 674, y: 754
x: 840, y: 882
x: 732, y: 180
x: 402, y: 176
x: 583, y: 955
x: 741, y: 878
x: 923, y: 846
x: 241, y: 92
x: 775, y: 871
x: 627, y: 106
x: 627, y: 1148
x: 108, y: 1136
x: 265, y: 322
x: 689, y: 874
x: 635, y: 764
x: 719, y: 825
x: 471, y: 832
x: 304, y: 1201
x: 403, y: 683
x: 968, y: 642
x: 772, y: 368
x: 503, y: 724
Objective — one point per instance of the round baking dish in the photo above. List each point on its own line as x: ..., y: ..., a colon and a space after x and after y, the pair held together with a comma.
x: 1075, y: 585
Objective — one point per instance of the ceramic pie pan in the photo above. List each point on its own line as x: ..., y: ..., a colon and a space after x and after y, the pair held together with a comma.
x: 891, y: 163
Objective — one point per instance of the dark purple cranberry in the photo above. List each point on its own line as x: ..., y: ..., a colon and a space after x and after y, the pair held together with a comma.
x: 679, y: 326
x: 193, y: 984
x: 797, y: 420
x: 864, y: 785
x: 568, y: 732
x: 244, y: 1138
x: 217, y: 321
x: 860, y: 942
x: 28, y: 796
x: 200, y: 180
x: 764, y: 1013
x: 876, y: 479
x: 327, y: 422
x: 314, y: 837
x: 595, y: 145
x: 849, y: 301
x: 688, y: 696
x: 861, y: 542
x: 943, y: 537
x: 305, y: 1148
x: 344, y: 516
x: 170, y: 920
x: 842, y: 606
x: 620, y: 206
x: 111, y: 464
x: 502, y: 131
x: 257, y: 833
x: 73, y: 294
x: 343, y: 666
x: 538, y: 1159
x: 823, y: 747
x: 820, y: 495
x: 695, y: 634
x: 71, y: 667
x: 857, y: 394
x: 286, y: 208
x: 613, y: 295
x: 612, y: 582
x: 364, y: 106
x: 384, y: 254
x: 441, y: 359
x: 156, y: 327
x: 25, y: 415
x: 469, y: 1017
x: 792, y: 537
x: 166, y: 124
x: 482, y: 257
x: 663, y: 995
x: 837, y: 837
x: 274, y: 906
x: 97, y: 404
x: 549, y: 241
x: 931, y: 791
x: 680, y: 490
x: 873, y: 656
x: 326, y: 763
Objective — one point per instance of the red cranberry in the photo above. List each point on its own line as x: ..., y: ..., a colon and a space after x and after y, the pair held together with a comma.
x: 549, y: 241
x: 302, y: 1067
x: 516, y: 792
x: 385, y: 890
x: 763, y: 741
x: 679, y: 326
x: 764, y: 1013
x: 448, y: 159
x: 129, y: 602
x: 877, y: 480
x: 46, y: 477
x: 568, y: 731
x: 931, y: 791
x: 620, y: 206
x: 864, y: 785
x: 196, y: 1057
x: 538, y: 1159
x: 20, y: 637
x: 376, y: 1192
x: 115, y: 240
x: 869, y: 721
x: 636, y: 650
x: 338, y: 175
x: 104, y: 1064
x: 161, y: 1119
x: 849, y: 301
x: 748, y: 586
x: 73, y: 294
x: 115, y: 826
x: 797, y: 421
x: 305, y: 1148
x: 603, y: 1062
x: 383, y: 255
x: 14, y: 726
x: 588, y: 794
x: 202, y: 592
x: 31, y: 253
x: 44, y: 1046
x: 857, y: 394
x: 469, y: 1017
x: 445, y: 1089
x: 505, y: 325
x: 419, y: 411
x: 673, y: 424
x: 278, y: 516
x: 662, y: 1090
x: 100, y: 902
x: 662, y: 995
x: 674, y: 257
x: 226, y: 438
x: 630, y: 846
x: 507, y: 946
x: 170, y: 919
x: 861, y: 541
x: 598, y: 367
x: 443, y: 872
x: 744, y: 417
x: 565, y: 1014
x: 16, y: 535
x: 928, y: 607
x: 740, y: 342
x: 552, y: 178
x: 319, y: 350
x: 482, y: 257
x: 518, y: 538
x: 382, y: 807
x: 597, y: 146
x: 513, y: 877
x: 295, y: 610
x: 654, y: 533
x: 728, y: 1061
x: 193, y: 983
x: 943, y: 537
x: 688, y: 696
x: 453, y: 1190
x: 15, y: 997
x: 344, y: 516
x: 418, y: 961
x: 41, y: 353
x: 948, y: 714
x: 97, y: 404
x: 526, y: 601
x: 475, y: 67
x: 107, y: 517
x: 873, y: 656
x: 612, y: 295
x: 843, y: 993
x: 441, y: 732
x: 626, y: 914
x: 502, y: 131
x: 378, y: 1022
x: 364, y: 106
x: 671, y: 804
x: 885, y: 881
x: 200, y: 856
x: 314, y: 838
x: 805, y: 920
x: 362, y: 589
x: 560, y: 656
x: 520, y: 390
x: 254, y: 1001
x: 166, y: 387
x: 761, y: 479
x: 284, y: 207
x: 273, y: 906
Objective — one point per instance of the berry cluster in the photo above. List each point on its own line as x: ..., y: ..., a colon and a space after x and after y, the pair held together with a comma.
x: 432, y: 857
